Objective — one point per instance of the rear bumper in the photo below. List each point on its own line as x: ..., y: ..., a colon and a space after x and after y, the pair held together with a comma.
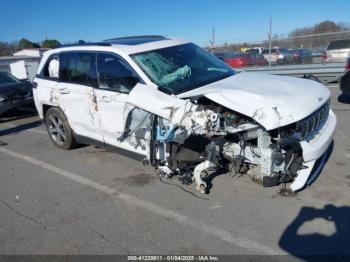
x: 313, y: 150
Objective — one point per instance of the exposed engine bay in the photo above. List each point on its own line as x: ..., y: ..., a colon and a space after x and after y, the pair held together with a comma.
x: 196, y: 136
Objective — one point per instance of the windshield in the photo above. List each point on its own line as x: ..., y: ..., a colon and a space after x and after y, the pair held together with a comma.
x: 253, y: 51
x: 234, y: 55
x: 182, y: 68
x: 266, y: 51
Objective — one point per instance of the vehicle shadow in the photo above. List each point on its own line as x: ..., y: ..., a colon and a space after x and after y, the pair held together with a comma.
x: 16, y: 114
x: 343, y: 98
x: 20, y: 128
x: 209, y: 179
x: 318, y: 232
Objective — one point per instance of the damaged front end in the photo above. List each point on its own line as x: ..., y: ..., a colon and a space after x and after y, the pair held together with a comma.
x: 190, y: 138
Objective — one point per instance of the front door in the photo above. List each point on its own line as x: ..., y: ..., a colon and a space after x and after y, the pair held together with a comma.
x: 122, y: 125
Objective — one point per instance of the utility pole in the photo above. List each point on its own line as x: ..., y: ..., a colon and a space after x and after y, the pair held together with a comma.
x: 270, y: 42
x: 212, y: 41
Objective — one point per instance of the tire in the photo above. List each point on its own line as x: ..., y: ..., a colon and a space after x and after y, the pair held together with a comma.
x: 58, y: 129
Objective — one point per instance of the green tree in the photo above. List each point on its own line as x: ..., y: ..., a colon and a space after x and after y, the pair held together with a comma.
x: 24, y: 43
x: 51, y: 43
x: 7, y: 48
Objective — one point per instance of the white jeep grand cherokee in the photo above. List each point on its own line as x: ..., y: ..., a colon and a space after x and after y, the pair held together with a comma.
x: 184, y: 111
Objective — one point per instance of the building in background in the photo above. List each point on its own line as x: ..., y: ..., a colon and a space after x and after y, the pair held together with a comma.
x: 23, y: 64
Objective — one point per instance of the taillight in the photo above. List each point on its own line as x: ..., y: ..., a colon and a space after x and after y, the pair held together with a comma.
x: 347, y: 66
x: 324, y: 56
x: 34, y: 84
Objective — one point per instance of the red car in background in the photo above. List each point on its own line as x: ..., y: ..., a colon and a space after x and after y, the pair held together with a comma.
x: 238, y: 59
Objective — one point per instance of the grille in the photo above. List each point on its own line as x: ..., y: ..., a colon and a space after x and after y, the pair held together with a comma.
x: 310, y: 125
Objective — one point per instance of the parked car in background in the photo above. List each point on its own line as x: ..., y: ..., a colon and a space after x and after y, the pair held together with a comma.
x: 317, y: 55
x: 13, y: 92
x: 278, y: 55
x: 254, y: 50
x: 345, y: 80
x: 301, y: 56
x: 337, y: 51
x: 238, y: 59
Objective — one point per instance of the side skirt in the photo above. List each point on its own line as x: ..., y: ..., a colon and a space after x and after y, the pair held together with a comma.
x: 89, y: 141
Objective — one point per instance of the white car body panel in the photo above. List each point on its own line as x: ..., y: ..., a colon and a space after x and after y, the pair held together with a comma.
x: 313, y: 150
x: 158, y: 103
x: 110, y: 106
x: 79, y: 107
x: 272, y: 101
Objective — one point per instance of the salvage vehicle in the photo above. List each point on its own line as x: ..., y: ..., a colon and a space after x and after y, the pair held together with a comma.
x: 184, y: 111
x: 14, y: 93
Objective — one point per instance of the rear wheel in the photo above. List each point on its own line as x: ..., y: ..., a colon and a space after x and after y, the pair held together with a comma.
x: 58, y: 128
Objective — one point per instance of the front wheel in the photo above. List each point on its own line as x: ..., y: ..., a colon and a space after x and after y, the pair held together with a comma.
x: 58, y: 128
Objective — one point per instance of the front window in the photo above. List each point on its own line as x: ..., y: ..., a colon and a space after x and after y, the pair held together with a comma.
x: 114, y: 74
x: 182, y: 68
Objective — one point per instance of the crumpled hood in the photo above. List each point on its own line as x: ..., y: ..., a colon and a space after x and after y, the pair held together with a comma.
x: 271, y: 100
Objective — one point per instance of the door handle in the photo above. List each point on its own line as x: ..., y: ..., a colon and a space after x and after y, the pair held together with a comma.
x: 106, y: 99
x: 64, y: 91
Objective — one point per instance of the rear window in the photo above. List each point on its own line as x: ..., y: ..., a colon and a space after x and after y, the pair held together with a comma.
x: 339, y: 44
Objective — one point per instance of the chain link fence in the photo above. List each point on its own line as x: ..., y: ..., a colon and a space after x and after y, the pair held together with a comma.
x: 297, y: 50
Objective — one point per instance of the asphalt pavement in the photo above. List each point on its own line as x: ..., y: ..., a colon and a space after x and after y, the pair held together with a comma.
x: 92, y: 201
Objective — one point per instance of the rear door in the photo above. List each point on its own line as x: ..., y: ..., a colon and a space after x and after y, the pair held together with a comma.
x: 74, y: 93
x: 122, y: 125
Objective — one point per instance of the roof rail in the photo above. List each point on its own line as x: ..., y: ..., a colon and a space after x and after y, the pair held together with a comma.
x: 136, y: 37
x: 87, y: 44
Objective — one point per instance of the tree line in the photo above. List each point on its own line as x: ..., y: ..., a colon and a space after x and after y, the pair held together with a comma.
x: 8, y: 48
x: 313, y: 37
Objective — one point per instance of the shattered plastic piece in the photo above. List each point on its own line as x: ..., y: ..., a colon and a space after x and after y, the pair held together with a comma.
x: 165, y: 171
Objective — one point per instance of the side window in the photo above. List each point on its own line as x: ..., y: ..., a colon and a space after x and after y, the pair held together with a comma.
x: 78, y: 68
x: 51, y: 68
x: 114, y: 74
